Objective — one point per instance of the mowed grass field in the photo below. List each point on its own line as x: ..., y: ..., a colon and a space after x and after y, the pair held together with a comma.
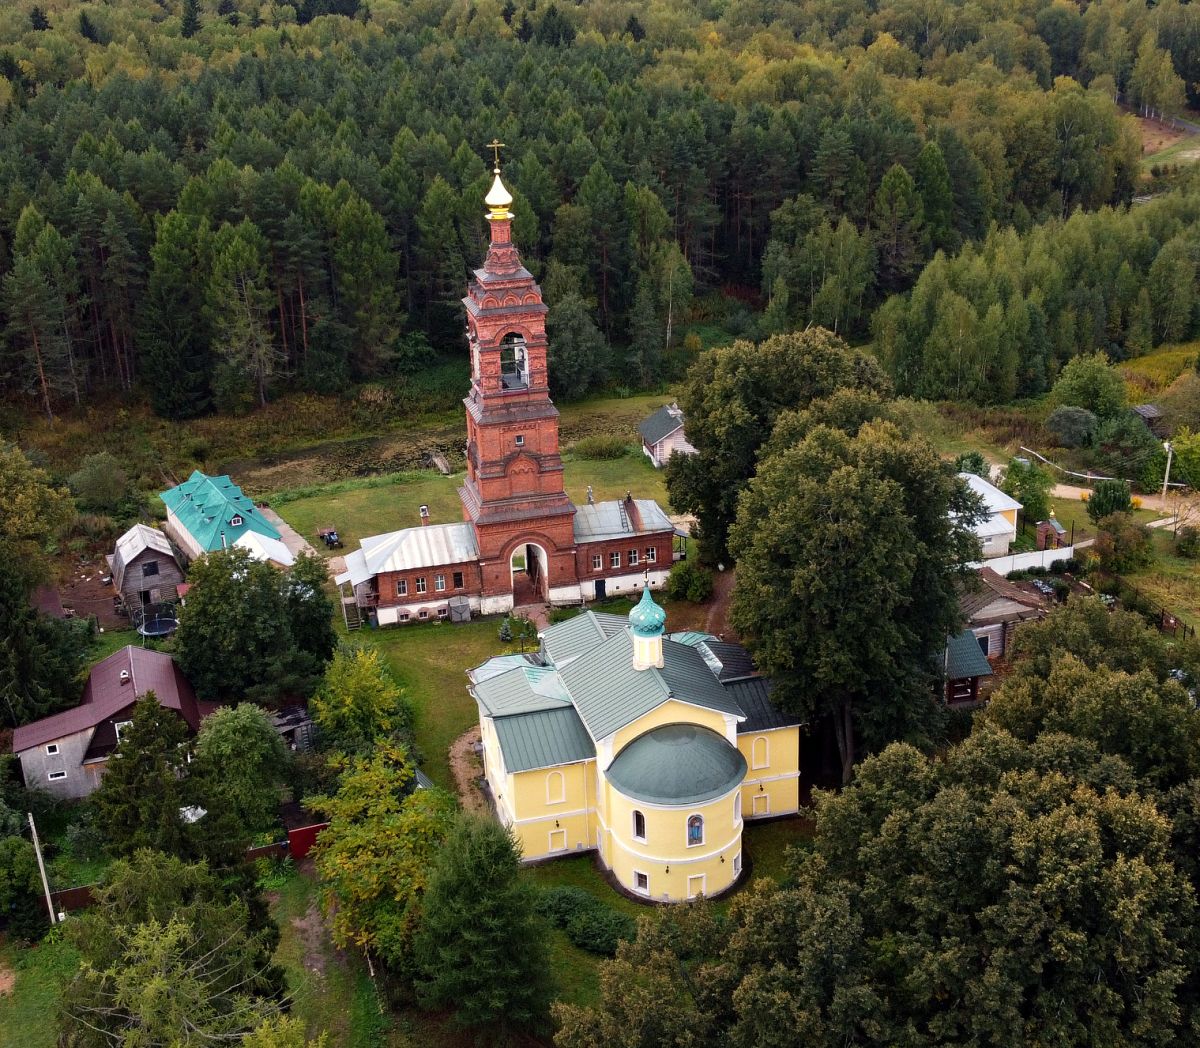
x: 374, y: 505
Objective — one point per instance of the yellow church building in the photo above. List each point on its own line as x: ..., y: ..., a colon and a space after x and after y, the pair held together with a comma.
x: 652, y: 750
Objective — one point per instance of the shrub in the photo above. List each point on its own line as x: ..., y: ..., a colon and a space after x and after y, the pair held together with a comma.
x: 100, y: 483
x: 1072, y: 427
x: 1122, y: 544
x: 972, y: 462
x: 1088, y: 381
x: 1187, y: 543
x: 600, y: 930
x: 600, y: 447
x: 690, y: 581
x: 589, y: 923
x: 1110, y: 496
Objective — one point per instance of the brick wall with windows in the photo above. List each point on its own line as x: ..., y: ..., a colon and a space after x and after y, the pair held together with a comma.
x: 440, y: 582
x: 597, y: 560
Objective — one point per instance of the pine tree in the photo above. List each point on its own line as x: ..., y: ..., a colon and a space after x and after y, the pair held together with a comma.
x: 38, y: 20
x: 190, y: 24
x: 238, y: 303
x: 141, y: 792
x: 172, y: 325
x: 645, y: 335
x: 34, y: 330
x: 937, y: 199
x: 578, y: 352
x: 481, y: 945
x: 899, y: 225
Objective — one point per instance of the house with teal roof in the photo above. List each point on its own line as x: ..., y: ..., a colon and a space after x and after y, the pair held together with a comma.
x: 210, y: 513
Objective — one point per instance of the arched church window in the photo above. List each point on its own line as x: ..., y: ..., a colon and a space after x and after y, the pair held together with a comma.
x: 514, y: 364
x: 639, y: 826
x: 695, y: 830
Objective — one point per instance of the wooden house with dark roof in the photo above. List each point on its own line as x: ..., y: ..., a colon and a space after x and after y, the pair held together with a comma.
x: 994, y: 607
x: 663, y: 435
x: 65, y: 754
x: 144, y: 567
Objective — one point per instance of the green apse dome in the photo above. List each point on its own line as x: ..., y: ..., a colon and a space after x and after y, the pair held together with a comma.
x: 647, y: 619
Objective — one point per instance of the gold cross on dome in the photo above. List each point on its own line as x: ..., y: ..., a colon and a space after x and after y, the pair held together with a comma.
x: 495, y: 145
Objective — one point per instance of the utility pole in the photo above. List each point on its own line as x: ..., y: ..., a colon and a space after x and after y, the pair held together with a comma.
x: 1167, y: 476
x: 37, y: 847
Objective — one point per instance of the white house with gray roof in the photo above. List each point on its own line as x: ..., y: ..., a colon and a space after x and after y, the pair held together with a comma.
x: 663, y: 435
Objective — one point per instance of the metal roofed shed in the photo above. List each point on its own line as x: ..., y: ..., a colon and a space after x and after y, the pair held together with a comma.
x: 262, y: 547
x: 677, y: 764
x: 964, y: 658
x: 609, y: 520
x: 136, y: 541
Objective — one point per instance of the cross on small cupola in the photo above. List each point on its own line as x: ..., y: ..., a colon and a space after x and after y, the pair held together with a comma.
x: 498, y: 198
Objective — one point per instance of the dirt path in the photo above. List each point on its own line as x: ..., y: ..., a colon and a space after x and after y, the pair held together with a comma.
x: 8, y: 979
x: 717, y: 621
x: 466, y: 769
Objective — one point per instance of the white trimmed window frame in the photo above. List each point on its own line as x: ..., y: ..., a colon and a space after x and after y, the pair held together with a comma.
x: 641, y: 882
x: 562, y: 788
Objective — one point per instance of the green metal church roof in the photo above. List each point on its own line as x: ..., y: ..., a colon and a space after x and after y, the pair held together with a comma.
x: 543, y: 739
x: 207, y: 506
x: 609, y: 693
x: 677, y: 764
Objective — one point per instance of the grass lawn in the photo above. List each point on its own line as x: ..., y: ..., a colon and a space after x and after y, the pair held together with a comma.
x: 331, y: 990
x: 1172, y: 581
x: 27, y: 1014
x: 577, y: 971
x: 375, y: 505
x: 430, y: 661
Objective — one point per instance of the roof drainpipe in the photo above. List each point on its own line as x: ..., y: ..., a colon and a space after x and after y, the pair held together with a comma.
x: 224, y: 541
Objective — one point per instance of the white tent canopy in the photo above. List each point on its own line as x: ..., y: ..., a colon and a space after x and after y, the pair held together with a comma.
x: 263, y: 548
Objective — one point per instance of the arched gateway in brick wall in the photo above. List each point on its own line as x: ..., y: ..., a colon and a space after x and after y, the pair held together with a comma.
x: 513, y: 495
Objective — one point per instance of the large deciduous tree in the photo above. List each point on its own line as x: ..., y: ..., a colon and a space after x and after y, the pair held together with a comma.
x: 850, y: 551
x: 1001, y: 895
x: 250, y: 630
x: 359, y: 703
x: 376, y: 855
x: 731, y: 399
x: 169, y: 957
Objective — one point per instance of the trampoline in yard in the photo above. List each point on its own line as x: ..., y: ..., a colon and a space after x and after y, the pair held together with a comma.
x: 156, y: 620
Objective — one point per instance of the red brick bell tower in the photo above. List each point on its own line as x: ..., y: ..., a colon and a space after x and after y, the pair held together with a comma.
x: 513, y: 493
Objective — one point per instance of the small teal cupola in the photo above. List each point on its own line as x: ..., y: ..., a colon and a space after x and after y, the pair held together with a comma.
x: 647, y: 623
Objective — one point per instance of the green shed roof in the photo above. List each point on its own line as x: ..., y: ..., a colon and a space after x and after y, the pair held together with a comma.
x: 207, y: 508
x: 677, y: 764
x: 542, y: 739
x: 964, y: 657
